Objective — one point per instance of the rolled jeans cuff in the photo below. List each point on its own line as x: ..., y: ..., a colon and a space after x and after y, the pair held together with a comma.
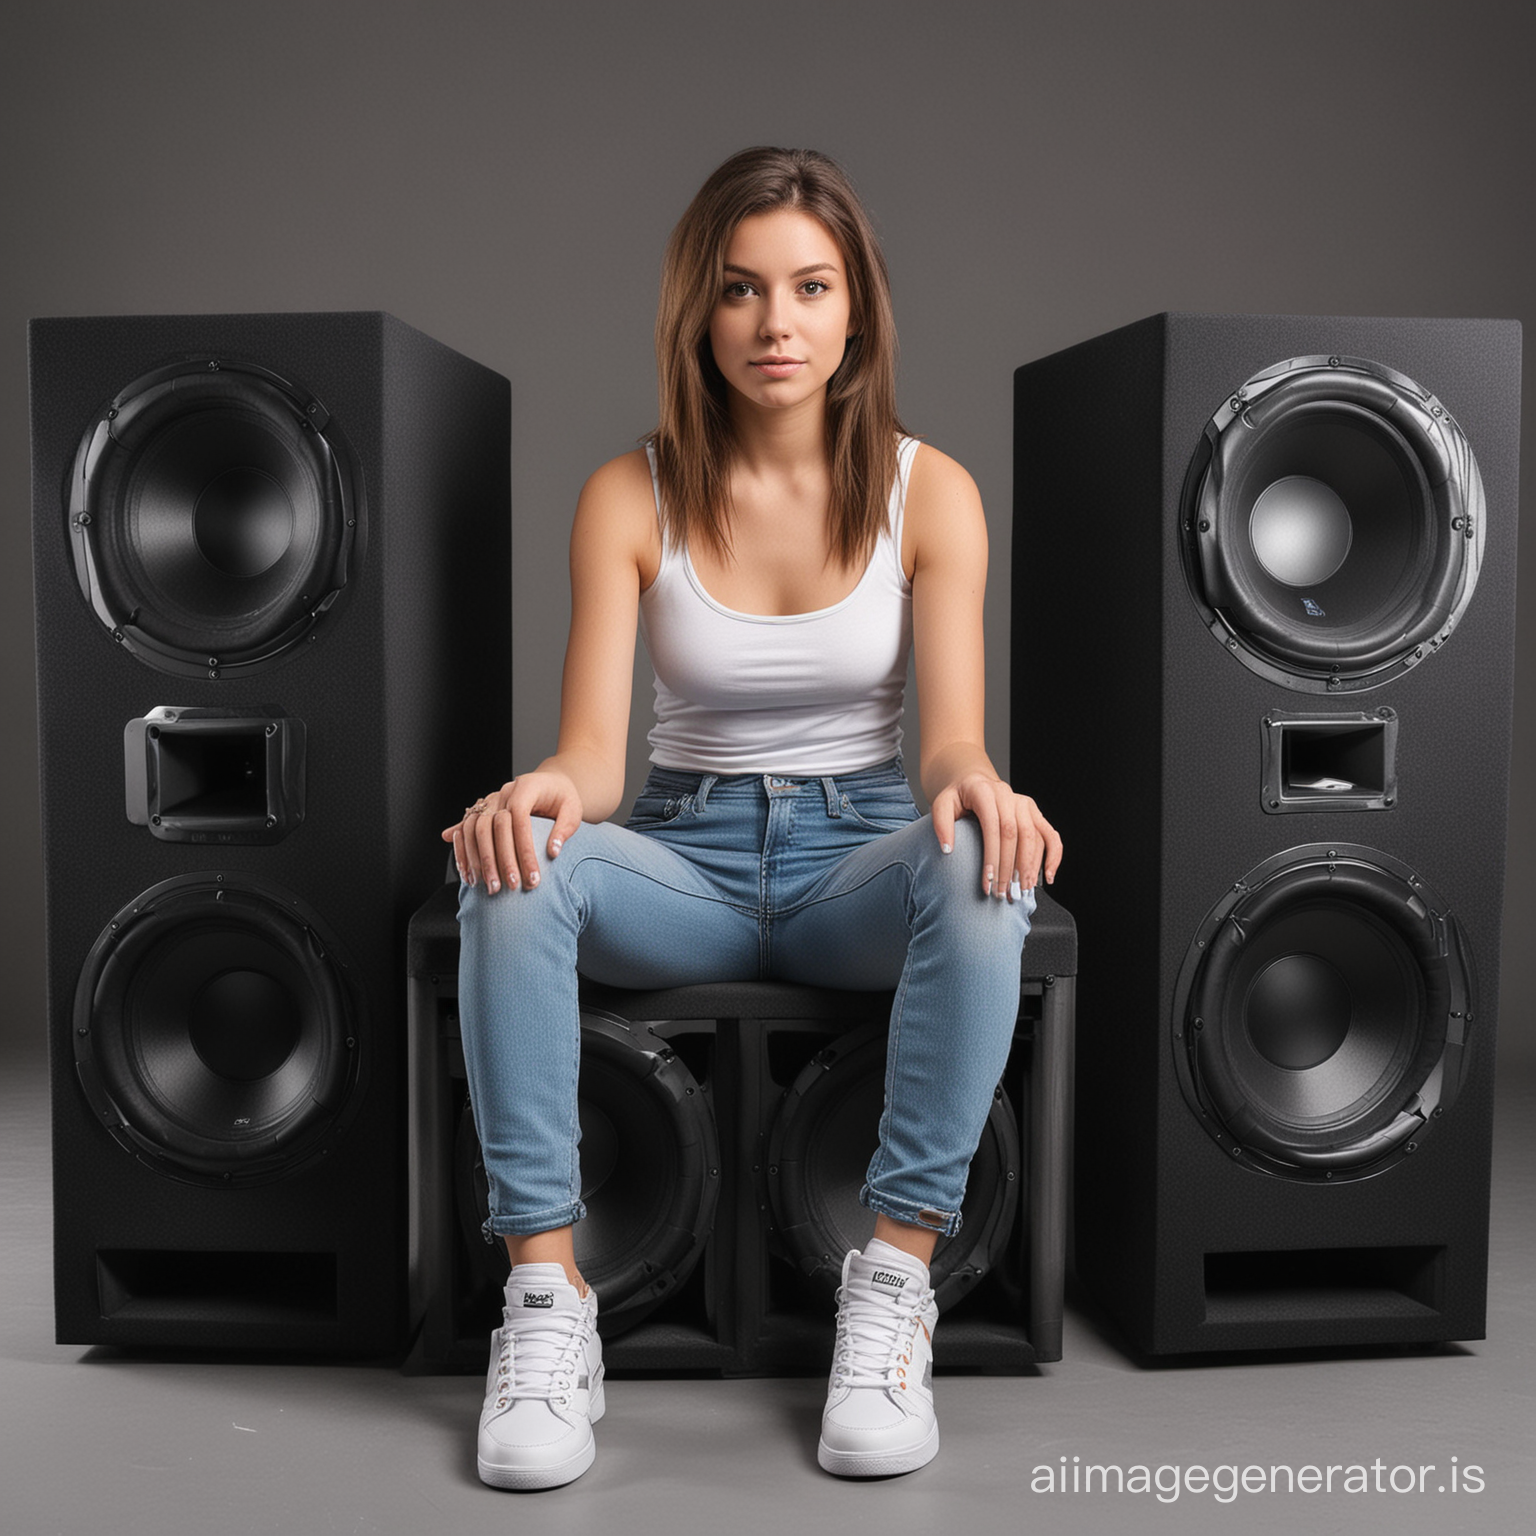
x: 537, y: 1221
x: 945, y: 1223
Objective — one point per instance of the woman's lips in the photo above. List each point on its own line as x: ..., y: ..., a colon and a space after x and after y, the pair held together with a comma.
x: 778, y: 367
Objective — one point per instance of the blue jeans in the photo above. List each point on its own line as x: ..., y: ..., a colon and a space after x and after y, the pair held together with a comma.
x: 833, y: 882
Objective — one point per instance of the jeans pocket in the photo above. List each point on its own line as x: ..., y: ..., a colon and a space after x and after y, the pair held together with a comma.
x: 655, y: 811
x: 882, y: 810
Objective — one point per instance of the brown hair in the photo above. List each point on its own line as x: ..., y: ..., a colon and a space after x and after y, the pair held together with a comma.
x: 693, y: 441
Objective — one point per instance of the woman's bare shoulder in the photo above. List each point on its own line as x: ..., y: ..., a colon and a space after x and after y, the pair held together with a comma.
x: 943, y: 510
x: 937, y: 478
x: 624, y: 480
x: 617, y: 511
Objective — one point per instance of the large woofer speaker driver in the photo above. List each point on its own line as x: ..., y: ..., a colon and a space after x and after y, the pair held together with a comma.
x: 1321, y: 1013
x: 214, y: 515
x: 1333, y: 523
x: 650, y: 1173
x: 215, y: 1033
x: 819, y: 1153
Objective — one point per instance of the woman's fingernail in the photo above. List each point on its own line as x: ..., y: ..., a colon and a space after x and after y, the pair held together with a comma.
x: 946, y: 847
x: 555, y: 847
x: 986, y: 879
x: 493, y: 885
x: 1015, y: 891
x: 533, y: 879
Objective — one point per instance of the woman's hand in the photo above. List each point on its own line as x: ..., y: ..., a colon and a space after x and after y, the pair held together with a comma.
x: 1015, y: 837
x: 494, y: 840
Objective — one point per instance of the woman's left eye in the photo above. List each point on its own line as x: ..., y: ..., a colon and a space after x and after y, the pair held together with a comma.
x: 814, y: 286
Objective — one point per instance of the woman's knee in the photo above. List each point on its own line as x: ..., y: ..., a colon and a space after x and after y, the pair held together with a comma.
x: 958, y: 870
x: 512, y: 907
x: 955, y: 882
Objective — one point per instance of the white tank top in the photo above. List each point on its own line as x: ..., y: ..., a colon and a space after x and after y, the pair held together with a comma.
x: 800, y: 694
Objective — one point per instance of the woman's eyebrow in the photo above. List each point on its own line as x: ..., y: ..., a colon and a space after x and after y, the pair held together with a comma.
x: 820, y: 266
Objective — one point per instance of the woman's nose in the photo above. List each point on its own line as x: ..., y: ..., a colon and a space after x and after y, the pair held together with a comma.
x: 775, y: 320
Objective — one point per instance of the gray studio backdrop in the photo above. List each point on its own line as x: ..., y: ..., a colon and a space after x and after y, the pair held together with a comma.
x: 503, y: 176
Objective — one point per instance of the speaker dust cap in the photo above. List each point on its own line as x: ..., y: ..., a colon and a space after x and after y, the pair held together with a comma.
x: 214, y: 514
x: 1333, y: 524
x: 215, y: 1031
x: 1321, y: 1014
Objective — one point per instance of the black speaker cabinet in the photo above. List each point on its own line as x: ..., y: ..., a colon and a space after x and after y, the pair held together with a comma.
x: 271, y: 558
x: 1264, y: 597
x: 725, y: 1135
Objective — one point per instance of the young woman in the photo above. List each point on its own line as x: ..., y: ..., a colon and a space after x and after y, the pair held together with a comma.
x: 781, y: 543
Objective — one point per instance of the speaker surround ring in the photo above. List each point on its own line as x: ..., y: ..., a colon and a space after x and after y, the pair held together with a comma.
x: 1332, y: 524
x: 215, y: 1032
x: 648, y: 1216
x: 1321, y: 1013
x: 215, y: 516
x: 819, y: 1150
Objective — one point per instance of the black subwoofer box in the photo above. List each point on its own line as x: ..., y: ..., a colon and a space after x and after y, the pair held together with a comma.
x: 271, y: 560
x: 725, y: 1134
x: 1264, y: 597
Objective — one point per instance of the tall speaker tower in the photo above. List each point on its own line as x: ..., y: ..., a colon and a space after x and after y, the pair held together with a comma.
x: 271, y: 562
x: 1264, y: 596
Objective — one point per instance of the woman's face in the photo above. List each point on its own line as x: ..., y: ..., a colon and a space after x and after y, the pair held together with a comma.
x: 781, y: 321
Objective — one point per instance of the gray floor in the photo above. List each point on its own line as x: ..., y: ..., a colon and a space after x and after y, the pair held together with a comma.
x: 93, y: 1441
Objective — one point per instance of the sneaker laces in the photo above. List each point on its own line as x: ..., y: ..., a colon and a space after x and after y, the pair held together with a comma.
x: 875, y: 1334
x: 544, y: 1352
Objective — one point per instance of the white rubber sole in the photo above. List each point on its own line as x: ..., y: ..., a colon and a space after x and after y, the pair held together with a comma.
x: 557, y: 1474
x: 878, y: 1463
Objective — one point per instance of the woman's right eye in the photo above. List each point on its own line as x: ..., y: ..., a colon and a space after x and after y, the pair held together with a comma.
x: 738, y: 290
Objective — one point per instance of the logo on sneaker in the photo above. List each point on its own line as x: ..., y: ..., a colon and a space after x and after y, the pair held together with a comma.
x: 888, y: 1278
x: 538, y: 1298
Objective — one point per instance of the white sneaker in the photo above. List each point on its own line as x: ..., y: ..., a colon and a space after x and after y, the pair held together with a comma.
x: 544, y: 1390
x: 879, y: 1415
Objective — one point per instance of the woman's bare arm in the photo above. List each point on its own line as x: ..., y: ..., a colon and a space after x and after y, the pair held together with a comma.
x: 946, y: 533
x: 615, y: 546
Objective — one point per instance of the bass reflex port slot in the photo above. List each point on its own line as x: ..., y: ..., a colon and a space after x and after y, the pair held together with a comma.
x: 254, y: 1289
x: 1323, y: 1284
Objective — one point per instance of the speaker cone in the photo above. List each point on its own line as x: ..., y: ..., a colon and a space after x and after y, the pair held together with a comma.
x: 819, y: 1154
x: 214, y: 1031
x: 1321, y: 1013
x: 650, y: 1173
x: 213, y: 515
x: 1333, y: 523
